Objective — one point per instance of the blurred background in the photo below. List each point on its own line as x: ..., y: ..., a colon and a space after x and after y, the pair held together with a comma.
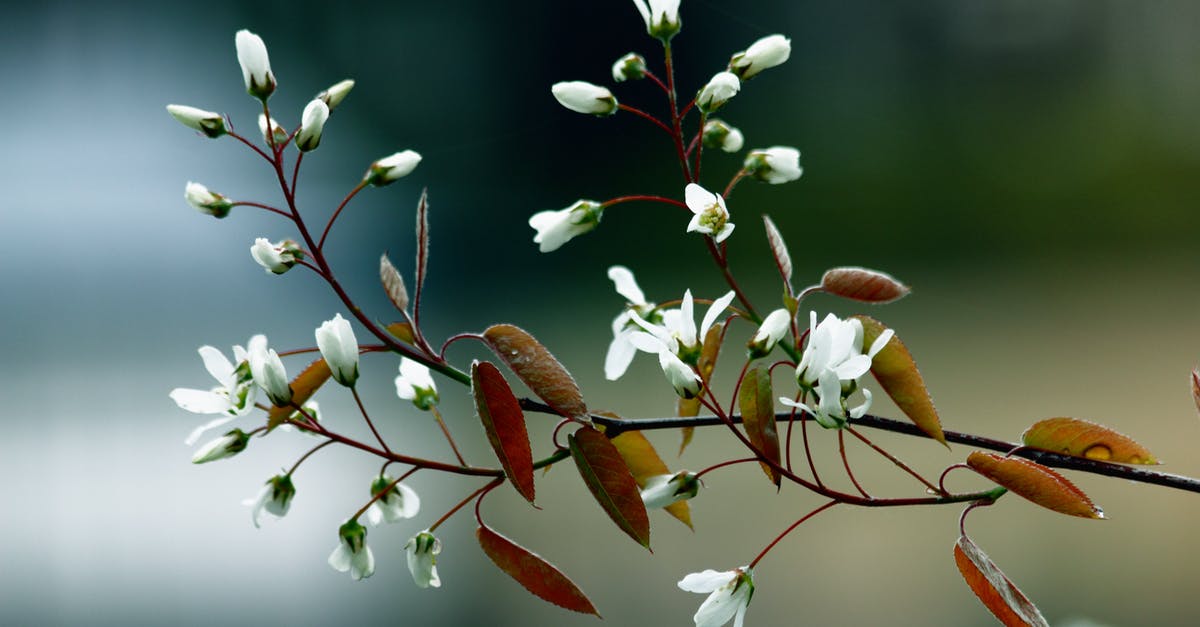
x: 1029, y: 167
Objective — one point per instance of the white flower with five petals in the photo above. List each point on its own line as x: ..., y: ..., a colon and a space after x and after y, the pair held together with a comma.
x: 711, y: 216
x: 232, y: 397
x: 729, y: 594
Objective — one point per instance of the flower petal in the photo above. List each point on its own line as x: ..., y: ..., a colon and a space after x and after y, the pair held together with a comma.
x: 620, y: 355
x: 626, y: 285
x: 718, y: 307
x: 706, y: 581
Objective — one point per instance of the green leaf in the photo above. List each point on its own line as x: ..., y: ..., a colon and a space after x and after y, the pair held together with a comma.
x: 643, y: 462
x: 538, y: 369
x: 1002, y: 598
x: 758, y: 416
x: 606, y: 475
x: 303, y: 387
x: 1080, y: 438
x: 537, y: 575
x: 897, y: 373
x: 504, y: 423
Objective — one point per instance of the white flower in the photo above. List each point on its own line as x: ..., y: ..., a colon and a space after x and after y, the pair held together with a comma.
x: 276, y: 258
x: 720, y: 88
x: 275, y: 498
x: 334, y: 96
x: 621, y: 350
x: 663, y: 490
x: 391, y: 168
x: 399, y: 503
x: 268, y: 372
x: 728, y: 592
x: 833, y: 360
x: 762, y: 54
x: 227, y: 445
x: 775, y: 165
x: 711, y: 215
x: 661, y: 17
x: 232, y: 397
x: 312, y: 123
x: 718, y: 134
x: 415, y: 384
x: 207, y: 122
x: 256, y: 65
x: 555, y: 228
x: 272, y: 131
x: 205, y: 201
x: 678, y: 330
x: 630, y: 67
x: 352, y: 553
x: 422, y: 550
x: 339, y: 347
x: 584, y: 97
x: 772, y: 329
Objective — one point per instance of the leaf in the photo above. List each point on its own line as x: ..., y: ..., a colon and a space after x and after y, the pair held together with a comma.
x: 401, y: 331
x: 606, y: 475
x: 1080, y: 438
x: 393, y: 283
x: 643, y: 462
x: 422, y: 241
x: 996, y: 591
x: 1196, y: 386
x: 303, y: 387
x: 537, y: 575
x: 862, y: 284
x: 1035, y: 482
x: 538, y: 369
x: 504, y: 423
x: 779, y: 250
x: 897, y: 373
x: 758, y: 416
x: 688, y: 407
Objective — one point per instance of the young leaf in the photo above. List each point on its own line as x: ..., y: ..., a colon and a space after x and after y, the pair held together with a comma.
x: 303, y: 387
x: 783, y: 260
x: 861, y: 284
x: 643, y: 462
x: 537, y: 575
x: 1196, y: 386
x: 504, y: 423
x: 686, y: 408
x: 538, y: 369
x: 393, y: 283
x: 1036, y: 483
x: 996, y: 591
x: 602, y: 469
x: 897, y: 373
x: 422, y: 241
x: 401, y: 331
x: 758, y: 416
x: 1080, y: 438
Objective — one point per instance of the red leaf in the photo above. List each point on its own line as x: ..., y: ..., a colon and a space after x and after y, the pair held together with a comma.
x: 897, y: 373
x: 1080, y: 438
x: 504, y: 423
x: 422, y: 241
x: 997, y: 592
x: 779, y: 250
x: 868, y: 286
x: 393, y: 283
x: 303, y: 387
x: 606, y: 475
x: 643, y: 462
x: 758, y: 416
x: 538, y: 369
x: 1036, y: 483
x: 537, y: 575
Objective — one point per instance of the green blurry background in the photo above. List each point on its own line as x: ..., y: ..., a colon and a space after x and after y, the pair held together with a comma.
x: 1030, y: 168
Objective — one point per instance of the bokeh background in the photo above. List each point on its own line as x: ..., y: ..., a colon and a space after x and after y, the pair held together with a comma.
x: 1030, y: 167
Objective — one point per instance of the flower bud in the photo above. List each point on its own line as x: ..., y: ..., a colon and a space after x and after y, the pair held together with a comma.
x: 338, y: 346
x: 206, y: 201
x: 555, y: 228
x: 275, y: 498
x: 772, y: 329
x: 584, y: 97
x: 276, y: 258
x: 391, y: 168
x: 663, y: 490
x: 256, y: 65
x: 352, y: 553
x: 227, y: 445
x: 720, y: 88
x: 278, y: 133
x: 661, y: 17
x: 422, y: 551
x: 775, y: 165
x: 207, y: 122
x: 268, y: 372
x: 414, y: 384
x: 718, y: 134
x: 312, y: 122
x: 762, y: 54
x: 400, y: 501
x: 334, y: 96
x: 630, y: 67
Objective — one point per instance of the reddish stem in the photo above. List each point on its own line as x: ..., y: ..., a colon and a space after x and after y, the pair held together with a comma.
x: 646, y: 116
x: 357, y: 188
x: 846, y: 464
x: 636, y: 197
x: 789, y: 530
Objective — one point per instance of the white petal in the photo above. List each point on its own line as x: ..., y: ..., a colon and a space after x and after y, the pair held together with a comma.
x: 620, y: 355
x: 706, y: 581
x: 861, y: 410
x: 200, y: 401
x: 375, y: 514
x: 410, y: 503
x: 717, y: 609
x: 880, y: 342
x: 217, y: 364
x: 853, y: 368
x: 340, y: 558
x: 694, y: 226
x: 718, y: 307
x: 626, y: 286
x: 726, y: 231
x: 698, y: 199
x: 194, y: 436
x: 687, y: 320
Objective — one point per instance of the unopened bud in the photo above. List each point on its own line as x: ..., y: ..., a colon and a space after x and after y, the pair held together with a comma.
x: 630, y: 67
x: 718, y: 134
x: 274, y: 133
x: 227, y: 445
x: 334, y: 96
x: 391, y: 168
x: 276, y: 258
x: 256, y: 65
x: 720, y: 88
x: 312, y: 122
x: 765, y: 53
x: 775, y: 165
x: 207, y: 122
x: 206, y: 201
x: 584, y: 97
x: 773, y: 328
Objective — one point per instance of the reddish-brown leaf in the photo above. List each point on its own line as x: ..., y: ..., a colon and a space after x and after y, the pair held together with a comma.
x: 758, y: 416
x: 862, y: 284
x: 779, y: 250
x: 393, y: 283
x: 643, y: 462
x: 1196, y: 386
x: 537, y: 575
x: 422, y: 241
x: 538, y: 369
x: 996, y: 591
x: 303, y: 387
x: 504, y: 423
x: 897, y: 373
x: 606, y: 475
x: 1036, y: 483
x: 1080, y: 438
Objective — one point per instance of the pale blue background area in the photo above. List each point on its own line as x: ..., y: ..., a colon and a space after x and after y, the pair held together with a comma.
x: 1031, y: 168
